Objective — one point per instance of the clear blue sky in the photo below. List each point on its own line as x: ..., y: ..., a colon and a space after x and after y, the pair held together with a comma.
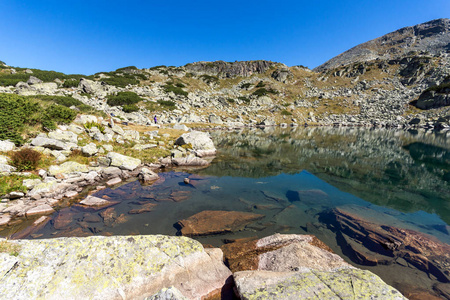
x: 92, y: 36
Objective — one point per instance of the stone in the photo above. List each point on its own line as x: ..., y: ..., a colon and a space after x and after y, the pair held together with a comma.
x: 200, y: 142
x: 118, y: 130
x: 64, y: 136
x: 108, y: 148
x: 83, y: 119
x: 171, y: 293
x: 190, y: 161
x: 180, y: 127
x: 52, y: 144
x: 147, y: 207
x: 113, y: 181
x: 147, y: 175
x: 89, y: 150
x: 95, y: 201
x: 71, y: 194
x: 67, y: 168
x: 131, y: 135
x: 31, y: 183
x: 111, y: 172
x: 6, y: 146
x: 123, y: 162
x: 215, y: 119
x: 33, y: 80
x: 141, y: 147
x: 282, y: 75
x: 16, y: 195
x: 116, y: 267
x: 44, y: 188
x: 210, y: 222
x: 5, y: 168
x: 76, y: 129
x: 43, y: 209
x: 4, y: 219
x: 339, y: 284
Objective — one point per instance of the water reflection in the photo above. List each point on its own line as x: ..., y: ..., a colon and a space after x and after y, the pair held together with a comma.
x: 407, y: 171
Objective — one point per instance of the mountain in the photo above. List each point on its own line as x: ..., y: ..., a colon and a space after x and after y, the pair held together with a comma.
x: 432, y: 37
x: 401, y: 79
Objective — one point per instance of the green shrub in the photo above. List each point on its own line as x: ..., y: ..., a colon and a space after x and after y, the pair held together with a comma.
x: 123, y: 98
x: 245, y: 99
x: 26, y: 159
x: 180, y: 85
x: 176, y: 90
x: 125, y: 69
x: 13, y: 183
x: 262, y: 92
x: 121, y: 81
x: 15, y: 112
x: 246, y: 85
x: 89, y: 125
x: 69, y: 83
x: 210, y: 79
x: 286, y: 113
x: 260, y: 84
x: 128, y: 108
x: 170, y: 105
x: 57, y: 114
x: 230, y: 100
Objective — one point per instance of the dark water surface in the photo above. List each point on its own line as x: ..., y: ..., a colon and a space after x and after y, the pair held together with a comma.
x: 396, y: 178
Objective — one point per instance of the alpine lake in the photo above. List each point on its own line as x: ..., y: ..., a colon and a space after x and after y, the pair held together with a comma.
x: 344, y: 185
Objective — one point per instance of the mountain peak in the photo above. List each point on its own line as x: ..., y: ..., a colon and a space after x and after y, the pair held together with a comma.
x: 431, y: 37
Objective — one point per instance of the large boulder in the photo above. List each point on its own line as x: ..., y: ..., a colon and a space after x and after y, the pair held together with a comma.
x: 67, y: 168
x: 122, y: 161
x: 292, y: 266
x: 190, y: 161
x: 83, y: 119
x: 119, y: 267
x: 53, y: 144
x: 63, y: 136
x: 200, y: 142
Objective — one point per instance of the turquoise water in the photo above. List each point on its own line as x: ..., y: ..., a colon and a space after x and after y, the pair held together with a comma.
x: 294, y: 178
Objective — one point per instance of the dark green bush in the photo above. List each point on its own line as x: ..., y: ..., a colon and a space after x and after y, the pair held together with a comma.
x: 57, y: 114
x: 245, y: 99
x: 15, y: 112
x: 125, y: 69
x: 260, y: 84
x: 123, y: 98
x: 246, y: 85
x: 128, y: 108
x: 262, y: 92
x: 167, y: 104
x: 176, y: 90
x: 26, y: 159
x: 121, y: 81
x: 285, y: 113
x: 180, y: 85
x: 230, y: 100
x: 69, y: 83
x: 210, y: 79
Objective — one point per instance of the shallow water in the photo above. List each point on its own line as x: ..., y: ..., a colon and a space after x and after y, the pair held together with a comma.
x: 396, y: 178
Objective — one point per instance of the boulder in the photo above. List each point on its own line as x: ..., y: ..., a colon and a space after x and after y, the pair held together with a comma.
x: 200, y: 142
x: 147, y: 175
x: 215, y: 119
x: 89, y: 150
x: 83, y: 119
x: 111, y: 172
x: 49, y: 143
x: 6, y: 146
x: 171, y: 293
x: 282, y: 75
x: 95, y: 201
x: 210, y: 222
x: 131, y: 135
x: 118, y: 267
x: 63, y: 136
x: 123, y: 162
x: 292, y: 266
x: 33, y: 80
x: 5, y: 168
x: 181, y: 127
x: 144, y: 147
x: 43, y: 209
x: 67, y: 168
x: 266, y: 122
x: 190, y: 161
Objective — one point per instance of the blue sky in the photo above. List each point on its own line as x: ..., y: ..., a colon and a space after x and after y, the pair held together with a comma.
x: 92, y: 36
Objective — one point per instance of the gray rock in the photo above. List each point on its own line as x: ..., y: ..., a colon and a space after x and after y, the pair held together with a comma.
x: 123, y: 162
x: 200, y: 142
x: 282, y: 75
x: 111, y: 172
x: 131, y: 135
x: 179, y: 127
x: 171, y: 293
x: 215, y: 119
x: 33, y: 80
x: 147, y: 175
x: 190, y: 161
x: 89, y: 150
x: 67, y: 168
x: 83, y: 119
x: 6, y: 146
x: 63, y: 136
x: 49, y: 143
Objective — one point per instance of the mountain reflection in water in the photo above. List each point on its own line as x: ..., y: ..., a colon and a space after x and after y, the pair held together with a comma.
x: 409, y: 172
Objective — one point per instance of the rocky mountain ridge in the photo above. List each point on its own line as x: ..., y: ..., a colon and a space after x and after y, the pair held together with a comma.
x: 398, y: 80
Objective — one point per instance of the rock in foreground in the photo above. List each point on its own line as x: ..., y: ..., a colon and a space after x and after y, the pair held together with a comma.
x: 117, y: 267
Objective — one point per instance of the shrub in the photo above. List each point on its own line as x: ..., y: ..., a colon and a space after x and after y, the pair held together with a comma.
x: 210, y: 79
x: 123, y: 98
x: 230, y: 100
x: 180, y: 85
x: 68, y: 83
x: 260, y: 84
x: 246, y: 85
x: 167, y: 104
x: 89, y: 125
x: 262, y: 92
x: 285, y: 113
x: 245, y: 99
x: 26, y: 159
x: 174, y: 89
x: 130, y: 108
x: 57, y: 114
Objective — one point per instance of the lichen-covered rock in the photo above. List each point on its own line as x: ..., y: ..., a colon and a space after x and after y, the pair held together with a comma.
x: 120, y: 267
x: 53, y: 144
x: 64, y: 136
x: 123, y: 162
x: 171, y: 293
x: 190, y: 161
x: 90, y: 149
x: 67, y: 167
x: 83, y: 119
x: 340, y: 284
x: 147, y: 175
x: 200, y: 142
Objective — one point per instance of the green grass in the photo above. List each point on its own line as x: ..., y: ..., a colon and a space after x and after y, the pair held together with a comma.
x: 7, y: 79
x: 9, y: 247
x: 13, y: 183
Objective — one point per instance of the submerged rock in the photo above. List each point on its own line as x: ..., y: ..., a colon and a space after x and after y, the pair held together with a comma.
x: 214, y: 222
x: 120, y: 267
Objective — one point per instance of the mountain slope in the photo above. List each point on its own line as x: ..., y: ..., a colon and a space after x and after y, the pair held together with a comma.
x: 431, y: 37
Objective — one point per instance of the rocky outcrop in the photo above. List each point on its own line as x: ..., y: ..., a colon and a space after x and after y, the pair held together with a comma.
x: 298, y: 267
x: 122, y: 161
x: 229, y: 69
x: 210, y: 222
x: 120, y: 267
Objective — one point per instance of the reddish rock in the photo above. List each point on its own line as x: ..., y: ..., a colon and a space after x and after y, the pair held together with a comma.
x: 43, y: 209
x: 110, y: 217
x: 63, y: 219
x: 179, y: 196
x: 96, y: 202
x: 147, y: 207
x: 371, y: 241
x: 214, y: 222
